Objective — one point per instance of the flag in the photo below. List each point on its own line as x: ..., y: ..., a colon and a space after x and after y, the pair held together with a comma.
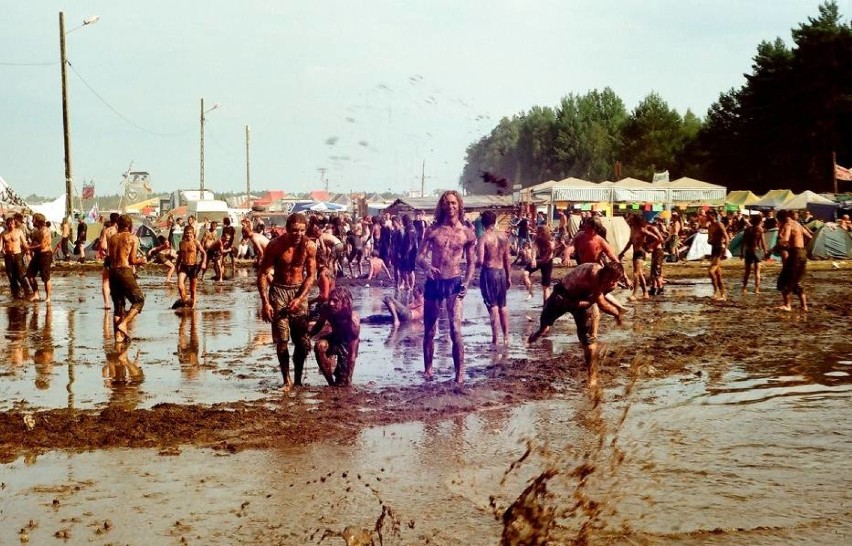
x: 842, y: 173
x: 92, y: 217
x: 88, y: 191
x: 660, y: 177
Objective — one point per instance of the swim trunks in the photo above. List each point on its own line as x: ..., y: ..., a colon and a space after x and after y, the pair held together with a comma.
x: 492, y: 284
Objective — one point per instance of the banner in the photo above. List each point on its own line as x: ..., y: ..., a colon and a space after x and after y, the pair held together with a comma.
x: 842, y: 173
x: 92, y: 217
x: 88, y: 191
x: 660, y: 177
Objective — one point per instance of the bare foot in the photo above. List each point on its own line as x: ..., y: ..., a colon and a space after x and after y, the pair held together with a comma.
x: 645, y: 296
x: 784, y: 308
x: 35, y: 297
x: 632, y: 298
x: 427, y: 375
x: 745, y: 290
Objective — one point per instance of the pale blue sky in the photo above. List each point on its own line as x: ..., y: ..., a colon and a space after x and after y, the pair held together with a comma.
x: 366, y: 89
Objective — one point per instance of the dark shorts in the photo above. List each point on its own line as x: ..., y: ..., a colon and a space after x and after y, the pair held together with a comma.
x: 546, y: 267
x: 751, y: 257
x: 441, y: 289
x: 40, y: 265
x: 406, y: 264
x: 214, y: 255
x: 123, y: 287
x: 355, y: 255
x: 792, y: 271
x: 586, y: 320
x: 657, y: 257
x: 717, y: 251
x: 492, y: 284
x: 191, y: 271
x: 285, y: 323
x: 639, y: 255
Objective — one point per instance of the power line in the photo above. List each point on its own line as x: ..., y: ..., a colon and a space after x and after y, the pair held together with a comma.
x: 119, y: 114
x: 29, y: 64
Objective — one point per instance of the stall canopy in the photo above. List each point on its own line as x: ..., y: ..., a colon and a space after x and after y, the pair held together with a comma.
x: 807, y: 197
x: 741, y: 198
x: 773, y: 199
x: 633, y: 190
x: 690, y: 190
x: 576, y: 189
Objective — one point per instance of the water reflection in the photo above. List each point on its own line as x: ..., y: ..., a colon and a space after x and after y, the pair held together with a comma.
x: 17, y: 351
x: 187, y: 346
x: 122, y: 377
x: 43, y: 352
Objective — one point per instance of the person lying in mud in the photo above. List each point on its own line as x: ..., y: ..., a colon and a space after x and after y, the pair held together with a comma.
x: 448, y: 240
x: 191, y: 260
x: 337, y: 350
x: 292, y: 260
x: 377, y: 265
x: 123, y: 255
x: 581, y: 292
x: 404, y: 313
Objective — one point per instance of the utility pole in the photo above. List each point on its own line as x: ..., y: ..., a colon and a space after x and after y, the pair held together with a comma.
x: 201, y: 169
x: 423, y: 180
x: 66, y: 130
x: 248, y: 171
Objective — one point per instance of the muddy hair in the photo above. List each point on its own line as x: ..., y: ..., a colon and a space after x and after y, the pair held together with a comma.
x: 489, y: 218
x: 441, y: 213
x: 345, y: 297
x: 614, y: 270
x: 296, y: 218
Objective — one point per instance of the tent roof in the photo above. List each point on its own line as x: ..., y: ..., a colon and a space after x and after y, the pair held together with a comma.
x: 690, y: 183
x: 633, y: 183
x: 742, y: 198
x: 801, y: 201
x: 774, y: 199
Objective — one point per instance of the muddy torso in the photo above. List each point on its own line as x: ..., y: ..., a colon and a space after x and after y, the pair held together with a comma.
x: 13, y: 241
x: 447, y: 244
x: 494, y: 247
x: 121, y: 246
x: 290, y: 260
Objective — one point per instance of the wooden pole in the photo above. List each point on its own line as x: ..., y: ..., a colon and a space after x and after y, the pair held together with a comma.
x: 66, y: 130
x: 248, y: 171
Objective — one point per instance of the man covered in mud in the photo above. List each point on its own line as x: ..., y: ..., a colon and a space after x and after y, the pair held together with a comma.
x: 717, y: 238
x: 640, y: 236
x: 337, y: 350
x: 752, y: 244
x: 42, y: 258
x: 292, y: 259
x: 448, y: 240
x: 191, y: 259
x: 792, y: 238
x: 14, y: 247
x: 492, y: 253
x: 123, y: 255
x: 581, y: 292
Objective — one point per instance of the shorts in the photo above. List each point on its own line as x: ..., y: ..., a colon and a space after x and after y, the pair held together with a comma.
x: 191, y: 271
x: 356, y: 255
x: 123, y: 286
x: 285, y: 323
x: 214, y: 255
x: 639, y: 255
x: 586, y: 319
x: 546, y: 267
x: 441, y: 289
x: 406, y: 264
x: 751, y: 257
x: 792, y: 271
x: 40, y: 265
x: 492, y: 284
x: 657, y: 257
x: 717, y: 252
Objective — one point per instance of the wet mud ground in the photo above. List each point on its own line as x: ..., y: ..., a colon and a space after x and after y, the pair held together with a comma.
x: 719, y: 423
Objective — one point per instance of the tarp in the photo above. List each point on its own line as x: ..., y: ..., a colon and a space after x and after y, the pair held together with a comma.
x: 617, y: 231
x: 801, y: 201
x: 831, y: 242
x: 54, y: 210
x: 697, y: 247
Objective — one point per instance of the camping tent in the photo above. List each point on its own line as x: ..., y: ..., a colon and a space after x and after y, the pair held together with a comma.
x: 770, y: 237
x: 617, y: 231
x: 831, y: 242
x: 697, y: 247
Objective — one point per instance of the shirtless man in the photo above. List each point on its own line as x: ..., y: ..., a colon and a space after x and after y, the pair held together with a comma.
x: 292, y: 259
x: 675, y: 227
x: 123, y: 255
x: 792, y: 238
x: 581, y: 292
x: 447, y: 240
x: 164, y: 255
x: 14, y: 247
x: 492, y: 253
x: 109, y: 229
x: 337, y: 351
x: 639, y: 235
x: 42, y: 258
x: 258, y: 243
x: 377, y: 265
x: 216, y: 253
x: 229, y: 230
x: 654, y: 246
x: 717, y: 238
x: 591, y: 247
x: 191, y: 260
x: 208, y: 240
x: 752, y: 243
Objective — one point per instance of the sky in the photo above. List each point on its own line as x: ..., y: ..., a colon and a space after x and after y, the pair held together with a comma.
x: 356, y: 95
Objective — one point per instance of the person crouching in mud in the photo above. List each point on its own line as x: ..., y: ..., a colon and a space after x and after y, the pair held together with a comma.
x: 581, y: 292
x: 337, y: 350
x: 292, y: 261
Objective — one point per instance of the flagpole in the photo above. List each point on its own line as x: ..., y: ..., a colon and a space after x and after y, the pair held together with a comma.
x: 834, y: 170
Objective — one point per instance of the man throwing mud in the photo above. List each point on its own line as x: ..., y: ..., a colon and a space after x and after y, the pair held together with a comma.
x: 580, y: 293
x: 123, y: 255
x: 292, y: 260
x: 447, y: 240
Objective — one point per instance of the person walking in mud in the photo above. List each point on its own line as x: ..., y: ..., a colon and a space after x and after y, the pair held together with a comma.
x: 792, y: 238
x: 65, y: 242
x: 752, y: 243
x: 639, y: 235
x: 590, y: 246
x: 42, y: 258
x: 123, y: 256
x: 80, y: 242
x: 191, y: 260
x: 544, y: 247
x: 228, y: 251
x: 582, y: 292
x: 109, y: 229
x: 292, y: 260
x: 717, y: 238
x: 445, y: 243
x: 658, y: 255
x: 337, y: 351
x: 492, y: 253
x: 14, y: 247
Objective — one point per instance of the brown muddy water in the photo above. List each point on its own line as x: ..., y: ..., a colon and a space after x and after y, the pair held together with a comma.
x: 719, y: 423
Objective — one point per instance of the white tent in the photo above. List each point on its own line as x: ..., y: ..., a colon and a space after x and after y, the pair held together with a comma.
x: 54, y: 210
x: 698, y: 248
x: 617, y: 231
x: 801, y: 201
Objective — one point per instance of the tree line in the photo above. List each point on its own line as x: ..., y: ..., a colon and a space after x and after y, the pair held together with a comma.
x: 779, y: 130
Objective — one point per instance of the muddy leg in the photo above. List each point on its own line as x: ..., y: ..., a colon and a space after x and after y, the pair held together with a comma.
x: 284, y: 364
x: 326, y: 364
x: 430, y: 322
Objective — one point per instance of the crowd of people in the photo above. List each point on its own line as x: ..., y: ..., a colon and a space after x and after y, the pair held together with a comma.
x: 299, y: 268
